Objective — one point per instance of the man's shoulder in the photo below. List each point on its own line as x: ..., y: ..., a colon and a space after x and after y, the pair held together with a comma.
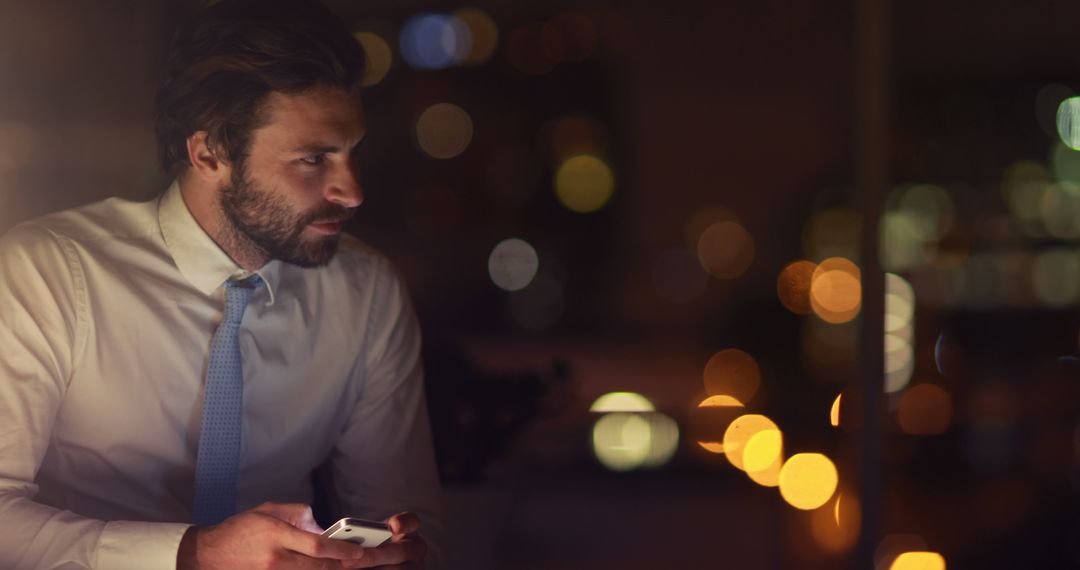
x: 88, y: 224
x: 354, y: 255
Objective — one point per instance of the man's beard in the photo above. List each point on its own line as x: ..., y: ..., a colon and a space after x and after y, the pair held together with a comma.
x: 265, y: 222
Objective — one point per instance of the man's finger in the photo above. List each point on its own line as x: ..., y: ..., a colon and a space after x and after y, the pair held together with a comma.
x: 406, y: 550
x: 315, y: 546
x: 404, y: 523
x: 296, y: 514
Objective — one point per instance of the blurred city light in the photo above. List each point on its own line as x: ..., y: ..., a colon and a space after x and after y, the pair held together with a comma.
x: 928, y: 209
x: 834, y: 411
x: 1023, y: 185
x: 925, y: 409
x: 899, y: 363
x: 793, y: 286
x: 1060, y: 210
x: 1055, y: 277
x: 434, y: 41
x: 1047, y: 104
x: 678, y: 276
x: 725, y: 249
x: 625, y: 441
x: 918, y: 561
x: 444, y: 130
x: 836, y: 290
x: 732, y: 372
x: 622, y: 402
x: 900, y: 247
x: 574, y: 135
x: 893, y: 545
x: 836, y: 529
x: 763, y: 457
x: 832, y: 233
x: 739, y: 433
x: 899, y: 332
x: 1065, y: 164
x: 1068, y: 122
x: 513, y: 264
x: 483, y: 33
x: 378, y: 57
x: 720, y: 401
x: 808, y: 480
x: 584, y: 183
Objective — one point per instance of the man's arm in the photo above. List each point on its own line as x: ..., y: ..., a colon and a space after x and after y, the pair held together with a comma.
x: 384, y: 462
x: 43, y: 329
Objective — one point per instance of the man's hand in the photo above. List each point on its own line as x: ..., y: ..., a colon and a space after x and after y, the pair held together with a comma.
x: 274, y: 535
x: 406, y: 549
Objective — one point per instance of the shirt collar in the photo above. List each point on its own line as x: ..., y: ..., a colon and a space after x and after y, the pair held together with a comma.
x: 200, y: 260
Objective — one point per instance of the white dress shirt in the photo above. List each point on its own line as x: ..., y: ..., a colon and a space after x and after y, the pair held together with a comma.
x: 106, y: 314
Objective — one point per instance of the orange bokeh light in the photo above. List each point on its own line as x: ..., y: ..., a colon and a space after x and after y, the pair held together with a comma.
x: 733, y: 373
x: 793, y: 286
x: 925, y: 409
x: 725, y: 250
x: 836, y: 290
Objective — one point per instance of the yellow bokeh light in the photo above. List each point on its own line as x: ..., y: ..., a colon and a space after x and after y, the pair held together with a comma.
x: 622, y: 402
x: 444, y: 130
x: 834, y: 412
x: 483, y: 32
x: 763, y: 456
x: 584, y: 183
x: 733, y: 373
x: 836, y: 529
x: 925, y: 409
x: 793, y: 286
x: 1055, y: 277
x: 720, y: 401
x: 712, y: 446
x: 836, y: 290
x: 808, y: 480
x: 725, y: 249
x: 739, y: 433
x: 378, y: 57
x: 918, y: 561
x: 625, y: 441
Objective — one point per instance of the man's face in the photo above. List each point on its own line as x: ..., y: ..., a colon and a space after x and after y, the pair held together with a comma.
x: 289, y: 198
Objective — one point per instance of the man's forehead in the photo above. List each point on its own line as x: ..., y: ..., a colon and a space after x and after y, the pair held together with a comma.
x: 317, y: 116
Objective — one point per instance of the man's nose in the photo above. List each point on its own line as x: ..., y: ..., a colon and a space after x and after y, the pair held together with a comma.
x: 345, y: 190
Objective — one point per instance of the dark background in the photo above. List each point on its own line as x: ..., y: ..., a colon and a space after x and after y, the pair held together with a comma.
x: 748, y: 107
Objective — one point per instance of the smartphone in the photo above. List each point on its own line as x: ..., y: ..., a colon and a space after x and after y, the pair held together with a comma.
x: 360, y: 531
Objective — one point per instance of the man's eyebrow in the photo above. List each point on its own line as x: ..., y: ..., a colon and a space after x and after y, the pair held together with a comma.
x: 321, y: 148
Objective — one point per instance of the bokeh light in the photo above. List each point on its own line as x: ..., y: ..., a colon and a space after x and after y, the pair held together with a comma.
x: 678, y: 276
x: 836, y: 290
x: 918, y: 561
x: 899, y: 363
x: 444, y: 130
x: 793, y: 286
x: 925, y: 409
x: 710, y: 418
x: 1068, y: 122
x: 893, y: 545
x: 899, y: 306
x: 763, y: 457
x: 732, y: 372
x: 584, y: 183
x: 832, y: 233
x: 1055, y: 277
x: 625, y: 441
x: 513, y: 264
x: 378, y: 57
x: 928, y: 209
x: 834, y: 411
x: 725, y: 249
x: 434, y: 41
x: 808, y: 480
x: 836, y: 529
x: 1060, y: 209
x: 1023, y: 185
x: 1065, y: 164
x: 739, y: 433
x: 483, y: 33
x: 721, y: 401
x: 574, y: 135
x: 622, y: 402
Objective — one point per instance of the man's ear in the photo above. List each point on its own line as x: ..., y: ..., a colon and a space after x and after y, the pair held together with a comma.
x: 206, y: 162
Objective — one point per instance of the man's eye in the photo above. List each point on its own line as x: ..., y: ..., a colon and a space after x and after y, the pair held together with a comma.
x: 314, y: 160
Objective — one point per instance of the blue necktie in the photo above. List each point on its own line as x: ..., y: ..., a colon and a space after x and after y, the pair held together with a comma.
x: 223, y: 405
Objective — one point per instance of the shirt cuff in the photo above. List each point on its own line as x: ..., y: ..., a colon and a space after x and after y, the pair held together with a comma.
x: 139, y: 545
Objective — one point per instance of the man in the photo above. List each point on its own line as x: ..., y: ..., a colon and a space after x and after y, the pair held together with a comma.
x: 197, y: 357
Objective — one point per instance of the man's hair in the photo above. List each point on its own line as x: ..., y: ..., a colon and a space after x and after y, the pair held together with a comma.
x: 225, y: 62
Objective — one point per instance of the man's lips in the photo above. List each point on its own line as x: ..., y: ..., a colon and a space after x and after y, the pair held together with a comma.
x: 328, y: 227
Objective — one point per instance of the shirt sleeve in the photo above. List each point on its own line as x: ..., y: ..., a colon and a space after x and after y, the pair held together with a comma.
x: 384, y: 462
x: 43, y: 329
